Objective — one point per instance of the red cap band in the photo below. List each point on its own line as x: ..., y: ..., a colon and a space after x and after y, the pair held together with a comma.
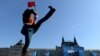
x: 31, y: 4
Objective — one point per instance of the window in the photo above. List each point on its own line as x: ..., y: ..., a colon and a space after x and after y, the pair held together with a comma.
x: 34, y: 53
x: 93, y: 54
x: 47, y: 53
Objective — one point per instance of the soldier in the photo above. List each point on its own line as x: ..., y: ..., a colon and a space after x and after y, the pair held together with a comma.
x: 30, y: 27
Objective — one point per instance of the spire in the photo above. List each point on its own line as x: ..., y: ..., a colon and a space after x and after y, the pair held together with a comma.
x: 75, y: 42
x: 63, y: 39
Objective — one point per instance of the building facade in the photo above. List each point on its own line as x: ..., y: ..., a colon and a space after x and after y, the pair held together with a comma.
x: 72, y: 48
x: 14, y: 50
x: 67, y: 48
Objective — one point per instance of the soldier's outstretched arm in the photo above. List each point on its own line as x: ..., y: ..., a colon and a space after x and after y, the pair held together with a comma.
x: 46, y: 17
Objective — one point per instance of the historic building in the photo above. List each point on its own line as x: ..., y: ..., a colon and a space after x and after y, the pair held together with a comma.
x: 67, y: 48
x: 14, y: 50
x: 71, y: 48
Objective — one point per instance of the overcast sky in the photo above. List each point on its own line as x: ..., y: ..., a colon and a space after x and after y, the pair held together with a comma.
x: 80, y: 18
